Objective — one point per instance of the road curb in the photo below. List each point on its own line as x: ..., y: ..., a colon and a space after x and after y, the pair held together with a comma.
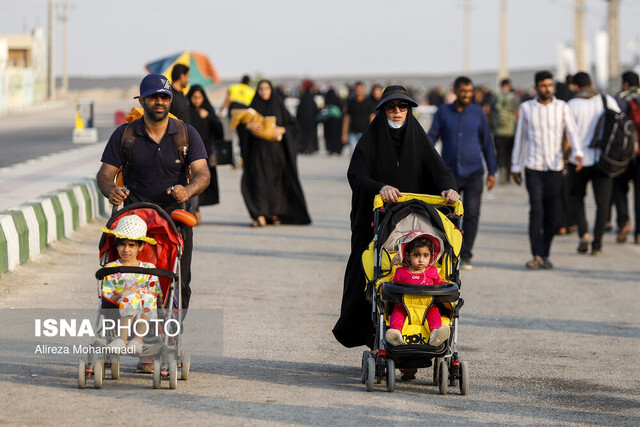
x: 26, y: 230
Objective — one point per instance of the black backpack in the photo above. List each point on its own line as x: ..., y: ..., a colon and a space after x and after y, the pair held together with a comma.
x: 616, y: 135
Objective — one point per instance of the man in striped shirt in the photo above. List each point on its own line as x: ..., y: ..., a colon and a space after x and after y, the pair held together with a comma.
x: 542, y: 122
x: 587, y: 108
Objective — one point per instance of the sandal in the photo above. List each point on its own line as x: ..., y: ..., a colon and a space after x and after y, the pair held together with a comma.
x: 622, y: 236
x: 259, y: 222
x: 535, y: 263
x: 276, y: 220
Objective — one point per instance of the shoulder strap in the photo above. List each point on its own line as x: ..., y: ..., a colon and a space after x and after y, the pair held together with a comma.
x: 182, y: 141
x: 604, y: 101
x: 126, y: 148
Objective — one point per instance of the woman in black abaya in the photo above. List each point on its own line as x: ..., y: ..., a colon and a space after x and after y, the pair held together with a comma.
x: 306, y: 118
x: 208, y: 125
x: 270, y: 184
x: 393, y: 156
x: 333, y: 125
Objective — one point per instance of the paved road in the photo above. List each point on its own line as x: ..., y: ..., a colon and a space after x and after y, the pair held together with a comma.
x: 553, y: 347
x: 29, y: 135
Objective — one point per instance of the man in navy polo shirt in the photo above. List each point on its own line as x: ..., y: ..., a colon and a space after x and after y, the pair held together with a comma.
x: 156, y: 173
x: 466, y: 139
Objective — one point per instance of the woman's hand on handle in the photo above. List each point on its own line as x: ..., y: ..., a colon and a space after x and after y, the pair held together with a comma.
x: 450, y: 195
x: 390, y: 194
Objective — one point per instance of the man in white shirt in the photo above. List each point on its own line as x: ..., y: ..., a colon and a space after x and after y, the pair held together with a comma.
x: 542, y: 122
x: 587, y: 107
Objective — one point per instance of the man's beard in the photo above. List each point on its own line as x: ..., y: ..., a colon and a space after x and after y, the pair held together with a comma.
x: 545, y: 96
x: 153, y: 115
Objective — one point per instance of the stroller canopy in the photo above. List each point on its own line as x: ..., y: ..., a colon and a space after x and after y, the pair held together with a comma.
x: 404, y: 217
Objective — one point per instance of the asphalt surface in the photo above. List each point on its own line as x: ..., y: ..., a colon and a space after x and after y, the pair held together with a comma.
x: 557, y: 347
x: 29, y: 135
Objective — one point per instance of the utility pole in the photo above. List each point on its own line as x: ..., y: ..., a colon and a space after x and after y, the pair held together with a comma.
x: 578, y: 36
x: 63, y: 17
x: 466, y: 43
x: 614, y: 60
x: 51, y: 72
x: 503, y: 71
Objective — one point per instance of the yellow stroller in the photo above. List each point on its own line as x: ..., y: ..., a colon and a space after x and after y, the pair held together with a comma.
x: 392, y: 221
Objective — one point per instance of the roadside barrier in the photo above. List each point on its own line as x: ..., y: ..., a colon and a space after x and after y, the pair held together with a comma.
x: 26, y: 230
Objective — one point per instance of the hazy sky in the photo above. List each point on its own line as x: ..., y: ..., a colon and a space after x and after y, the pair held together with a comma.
x: 313, y: 38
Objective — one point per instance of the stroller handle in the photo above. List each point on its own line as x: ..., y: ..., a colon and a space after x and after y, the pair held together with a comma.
x: 427, y: 198
x: 160, y: 272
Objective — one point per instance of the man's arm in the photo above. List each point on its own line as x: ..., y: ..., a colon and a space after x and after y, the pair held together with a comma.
x: 434, y: 131
x: 571, y: 131
x: 106, y: 183
x: 225, y: 104
x: 345, y: 128
x: 518, y: 145
x: 489, y: 153
x: 200, y: 177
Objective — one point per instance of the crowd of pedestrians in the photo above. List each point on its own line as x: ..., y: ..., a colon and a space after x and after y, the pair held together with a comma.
x: 540, y: 137
x: 487, y: 137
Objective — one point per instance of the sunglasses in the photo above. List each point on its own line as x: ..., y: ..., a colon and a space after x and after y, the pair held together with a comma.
x: 162, y: 96
x: 390, y: 107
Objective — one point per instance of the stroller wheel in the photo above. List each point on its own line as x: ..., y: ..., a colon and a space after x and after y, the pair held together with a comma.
x: 363, y: 368
x: 115, y: 367
x: 464, y: 378
x: 443, y: 381
x: 82, y: 375
x: 98, y: 373
x: 186, y: 365
x: 436, y: 370
x: 391, y: 375
x: 157, y: 372
x: 371, y: 373
x: 173, y: 375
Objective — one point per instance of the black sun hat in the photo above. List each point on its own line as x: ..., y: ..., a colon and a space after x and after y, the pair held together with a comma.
x: 395, y: 92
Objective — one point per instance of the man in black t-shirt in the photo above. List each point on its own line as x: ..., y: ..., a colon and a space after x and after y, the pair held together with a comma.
x: 357, y: 117
x: 180, y: 103
x: 156, y: 173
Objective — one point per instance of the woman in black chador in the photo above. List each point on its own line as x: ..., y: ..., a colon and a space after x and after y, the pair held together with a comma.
x: 208, y: 125
x: 270, y: 184
x: 393, y: 156
x: 306, y: 118
x: 333, y: 125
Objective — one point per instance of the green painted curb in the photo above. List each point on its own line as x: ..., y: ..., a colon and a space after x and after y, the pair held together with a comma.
x: 4, y: 252
x: 42, y: 224
x: 57, y: 208
x: 23, y: 234
x: 88, y: 202
x: 75, y: 209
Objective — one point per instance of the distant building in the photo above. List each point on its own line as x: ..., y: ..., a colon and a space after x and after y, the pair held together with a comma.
x: 23, y: 69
